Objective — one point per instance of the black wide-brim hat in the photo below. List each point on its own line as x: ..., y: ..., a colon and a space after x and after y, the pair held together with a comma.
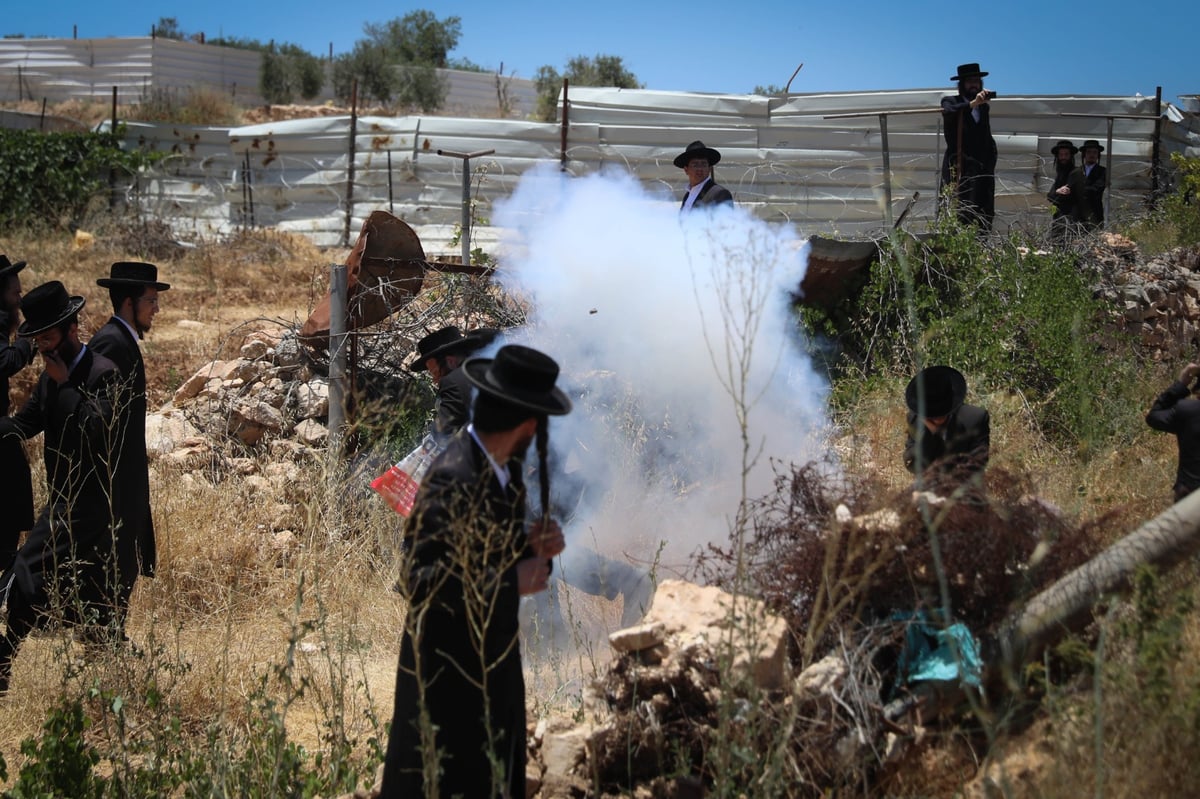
x: 450, y: 340
x: 1091, y: 143
x: 132, y: 273
x: 968, y: 71
x: 697, y: 150
x: 47, y: 306
x: 7, y: 267
x: 520, y: 376
x: 1064, y: 144
x: 945, y: 389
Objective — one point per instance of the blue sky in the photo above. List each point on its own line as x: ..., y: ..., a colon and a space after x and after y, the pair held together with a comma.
x: 1102, y: 47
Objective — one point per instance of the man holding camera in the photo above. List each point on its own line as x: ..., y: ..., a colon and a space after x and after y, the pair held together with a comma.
x: 1175, y: 411
x: 970, y: 161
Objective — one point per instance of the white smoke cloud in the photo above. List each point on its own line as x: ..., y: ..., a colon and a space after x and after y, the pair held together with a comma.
x: 674, y: 336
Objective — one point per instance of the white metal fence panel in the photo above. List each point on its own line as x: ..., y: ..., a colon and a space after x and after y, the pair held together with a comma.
x: 784, y: 160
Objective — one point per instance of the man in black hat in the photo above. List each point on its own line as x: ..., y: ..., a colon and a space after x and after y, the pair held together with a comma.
x: 459, y: 716
x: 133, y: 287
x: 66, y: 569
x: 945, y: 437
x: 15, y: 354
x: 970, y: 161
x: 1087, y: 184
x: 697, y: 162
x: 440, y: 354
x: 1177, y: 411
x: 1060, y: 195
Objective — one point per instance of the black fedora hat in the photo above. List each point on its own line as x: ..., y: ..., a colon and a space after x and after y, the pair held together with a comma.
x: 968, y: 71
x: 46, y: 306
x: 7, y: 267
x: 445, y: 341
x: 480, y: 337
x: 697, y: 150
x: 132, y: 273
x: 1064, y: 144
x: 1091, y: 144
x: 945, y: 388
x: 520, y: 376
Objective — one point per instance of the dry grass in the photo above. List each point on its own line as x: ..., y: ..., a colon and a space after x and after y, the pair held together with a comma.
x: 222, y: 602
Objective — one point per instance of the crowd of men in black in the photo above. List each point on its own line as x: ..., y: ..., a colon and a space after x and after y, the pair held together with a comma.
x: 968, y: 166
x: 94, y: 536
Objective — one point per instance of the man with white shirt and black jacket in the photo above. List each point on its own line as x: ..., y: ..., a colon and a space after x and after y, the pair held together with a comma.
x: 697, y: 162
x: 133, y: 288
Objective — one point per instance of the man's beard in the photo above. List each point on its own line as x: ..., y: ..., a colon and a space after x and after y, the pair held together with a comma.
x: 522, y: 445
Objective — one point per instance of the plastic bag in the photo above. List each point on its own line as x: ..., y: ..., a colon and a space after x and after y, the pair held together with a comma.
x: 398, y: 485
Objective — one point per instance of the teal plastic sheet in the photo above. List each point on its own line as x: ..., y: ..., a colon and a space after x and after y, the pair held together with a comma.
x: 933, y: 652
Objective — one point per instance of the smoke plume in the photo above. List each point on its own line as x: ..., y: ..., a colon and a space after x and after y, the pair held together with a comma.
x: 681, y: 354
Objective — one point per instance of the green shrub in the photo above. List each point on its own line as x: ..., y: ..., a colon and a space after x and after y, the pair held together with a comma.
x: 1182, y: 207
x: 1011, y: 317
x: 47, y: 178
x: 1176, y: 222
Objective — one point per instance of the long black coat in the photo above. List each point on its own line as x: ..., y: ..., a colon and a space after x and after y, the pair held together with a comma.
x: 963, y: 444
x: 460, y: 659
x: 1064, y: 204
x: 135, y: 537
x: 1175, y: 412
x: 14, y: 467
x: 1089, y: 206
x: 70, y: 548
x: 453, y: 404
x: 711, y: 193
x: 976, y: 186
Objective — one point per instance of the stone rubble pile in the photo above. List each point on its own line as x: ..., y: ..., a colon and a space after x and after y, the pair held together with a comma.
x: 269, y: 391
x: 1156, y: 300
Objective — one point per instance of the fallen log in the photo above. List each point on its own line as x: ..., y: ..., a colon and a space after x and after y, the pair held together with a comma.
x: 1066, y: 606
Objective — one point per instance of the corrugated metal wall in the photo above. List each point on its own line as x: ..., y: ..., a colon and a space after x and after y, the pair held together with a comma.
x: 87, y: 69
x: 784, y: 158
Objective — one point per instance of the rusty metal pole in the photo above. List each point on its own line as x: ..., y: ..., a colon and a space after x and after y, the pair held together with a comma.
x: 562, y: 151
x: 1156, y: 150
x: 391, y: 204
x: 350, y: 167
x: 112, y: 172
x: 1108, y: 175
x: 337, y: 359
x: 465, y: 233
x: 887, y: 171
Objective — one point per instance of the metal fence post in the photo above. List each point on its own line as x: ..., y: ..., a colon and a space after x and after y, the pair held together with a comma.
x: 465, y: 236
x: 337, y: 359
